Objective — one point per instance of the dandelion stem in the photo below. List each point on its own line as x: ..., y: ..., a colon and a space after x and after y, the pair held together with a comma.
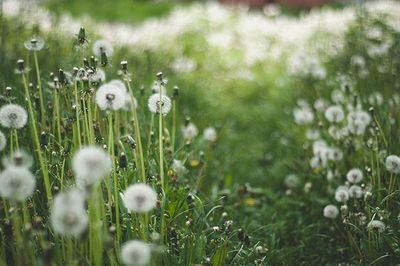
x: 42, y: 110
x: 77, y: 109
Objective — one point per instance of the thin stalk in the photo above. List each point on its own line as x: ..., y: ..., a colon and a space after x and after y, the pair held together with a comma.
x: 57, y: 114
x: 42, y: 162
x: 115, y: 177
x: 77, y: 109
x: 173, y: 124
x: 41, y: 98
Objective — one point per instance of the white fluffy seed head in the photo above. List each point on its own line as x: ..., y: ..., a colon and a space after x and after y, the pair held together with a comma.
x: 102, y: 46
x: 140, y: 198
x: 135, y: 253
x: 110, y: 97
x: 355, y: 175
x: 331, y: 211
x: 376, y: 225
x: 18, y: 159
x: 119, y: 83
x: 189, y: 131
x: 334, y: 114
x: 34, y: 44
x: 98, y: 76
x: 13, y: 116
x: 155, y: 106
x: 210, y: 134
x: 68, y: 216
x: 90, y: 164
x: 17, y: 183
x: 3, y: 141
x: 178, y: 167
x: 341, y: 195
x: 355, y: 191
x: 392, y: 164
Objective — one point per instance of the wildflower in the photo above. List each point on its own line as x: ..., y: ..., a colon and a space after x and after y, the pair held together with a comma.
x: 320, y: 105
x: 16, y: 183
x: 3, y: 141
x: 13, y: 116
x: 34, y: 44
x: 110, y: 97
x: 355, y: 175
x: 210, y: 134
x: 189, y: 131
x: 334, y: 114
x: 331, y: 211
x: 355, y: 192
x: 68, y: 215
x: 393, y: 164
x: 90, y: 164
x: 341, y: 195
x: 102, y: 46
x: 312, y: 134
x: 140, y: 198
x: 335, y: 154
x: 155, y: 105
x: 376, y: 225
x: 18, y: 159
x: 135, y: 253
x: 178, y: 167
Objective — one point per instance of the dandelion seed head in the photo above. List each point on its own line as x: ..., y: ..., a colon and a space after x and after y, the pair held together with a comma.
x: 16, y: 183
x: 68, y: 216
x: 355, y: 191
x: 155, y: 106
x: 140, y: 198
x: 90, y: 164
x: 331, y: 211
x: 13, y: 116
x: 355, y: 175
x: 97, y: 77
x: 135, y: 253
x: 334, y: 114
x: 178, y: 167
x: 376, y: 225
x: 392, y: 164
x: 3, y: 141
x: 18, y: 159
x: 189, y: 131
x: 102, y: 46
x: 341, y: 195
x: 210, y: 134
x: 119, y: 83
x: 34, y: 44
x: 303, y: 116
x: 110, y: 97
x: 292, y: 181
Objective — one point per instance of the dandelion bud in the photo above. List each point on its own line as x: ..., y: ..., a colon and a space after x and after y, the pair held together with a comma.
x: 103, y: 59
x: 93, y: 62
x: 8, y: 91
x: 159, y: 76
x: 86, y: 63
x: 344, y: 209
x: 124, y: 66
x: 20, y: 65
x: 123, y: 162
x: 43, y: 139
x: 135, y: 253
x: 175, y: 92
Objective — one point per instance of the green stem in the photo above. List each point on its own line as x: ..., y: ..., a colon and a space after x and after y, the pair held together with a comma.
x: 42, y: 162
x: 77, y: 109
x: 41, y: 99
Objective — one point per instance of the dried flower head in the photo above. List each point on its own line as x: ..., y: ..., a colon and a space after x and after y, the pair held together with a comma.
x: 102, y: 46
x: 13, y: 116
x: 90, y: 164
x: 17, y: 183
x: 140, y: 198
x: 110, y: 97
x: 135, y: 253
x: 156, y: 104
